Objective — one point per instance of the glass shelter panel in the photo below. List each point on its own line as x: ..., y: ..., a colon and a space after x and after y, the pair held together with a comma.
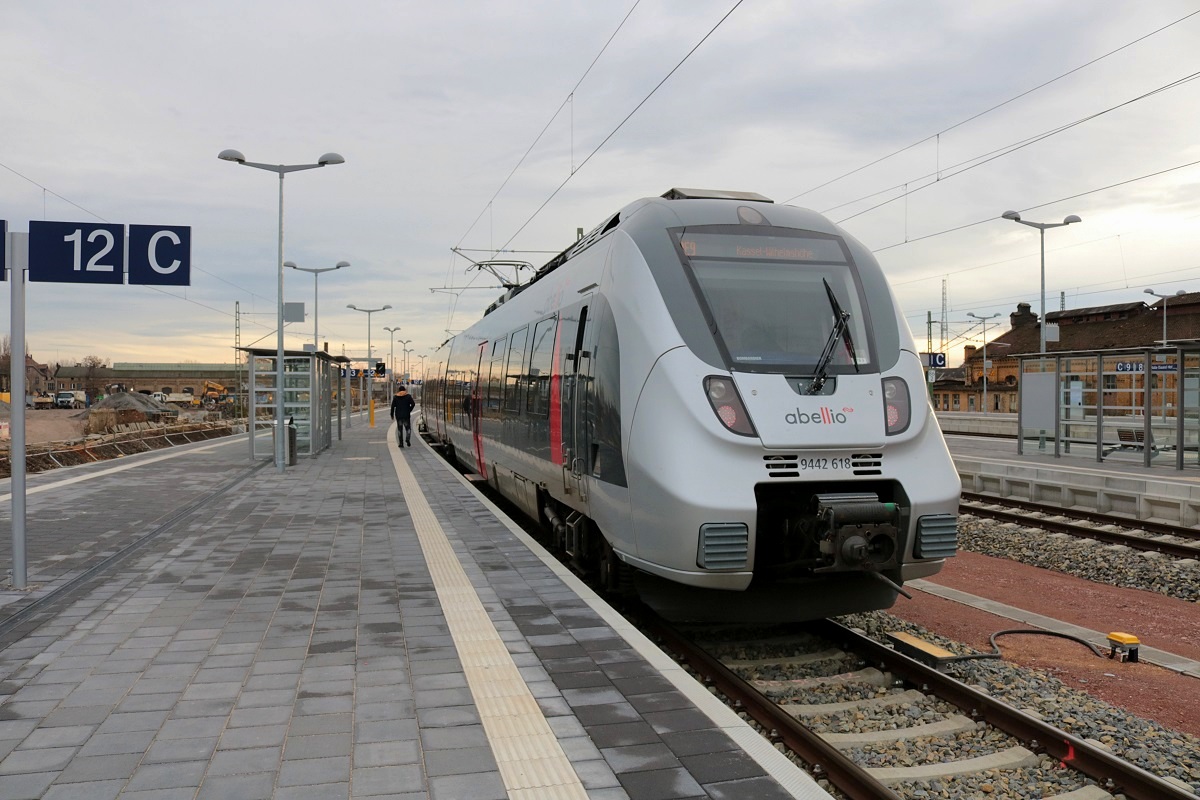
x: 1123, y: 384
x: 1188, y: 425
x: 1039, y: 382
x: 1077, y: 403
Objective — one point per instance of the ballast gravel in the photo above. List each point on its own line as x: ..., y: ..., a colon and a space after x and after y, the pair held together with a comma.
x: 1156, y: 749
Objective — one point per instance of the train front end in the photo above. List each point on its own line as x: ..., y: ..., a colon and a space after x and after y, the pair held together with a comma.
x: 789, y: 442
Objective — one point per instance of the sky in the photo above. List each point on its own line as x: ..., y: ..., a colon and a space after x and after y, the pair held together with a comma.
x: 500, y: 128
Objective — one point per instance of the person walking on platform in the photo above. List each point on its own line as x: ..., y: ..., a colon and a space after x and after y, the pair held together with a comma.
x: 402, y: 407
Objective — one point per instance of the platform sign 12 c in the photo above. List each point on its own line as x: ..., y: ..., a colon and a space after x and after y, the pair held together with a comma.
x: 89, y: 252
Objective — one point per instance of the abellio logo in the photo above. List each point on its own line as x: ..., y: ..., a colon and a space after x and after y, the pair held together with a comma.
x: 822, y: 416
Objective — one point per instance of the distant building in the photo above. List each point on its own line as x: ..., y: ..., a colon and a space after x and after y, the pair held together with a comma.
x: 1120, y: 325
x: 37, y: 375
x: 147, y: 377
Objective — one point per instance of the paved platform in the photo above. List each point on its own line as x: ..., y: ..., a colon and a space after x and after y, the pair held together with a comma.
x: 363, y: 625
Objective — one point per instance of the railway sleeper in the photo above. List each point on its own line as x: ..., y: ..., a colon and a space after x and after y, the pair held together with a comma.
x: 955, y: 723
x: 1013, y: 758
x: 803, y: 659
x: 807, y: 710
x: 869, y: 676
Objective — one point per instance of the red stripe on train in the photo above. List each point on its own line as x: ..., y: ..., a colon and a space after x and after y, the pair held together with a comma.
x: 556, y: 434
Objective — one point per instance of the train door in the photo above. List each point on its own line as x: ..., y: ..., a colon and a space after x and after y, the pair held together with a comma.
x: 577, y: 372
x: 476, y: 410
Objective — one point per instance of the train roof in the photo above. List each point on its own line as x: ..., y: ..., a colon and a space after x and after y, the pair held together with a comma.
x: 584, y: 242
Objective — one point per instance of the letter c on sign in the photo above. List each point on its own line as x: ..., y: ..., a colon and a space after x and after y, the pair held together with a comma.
x: 154, y: 265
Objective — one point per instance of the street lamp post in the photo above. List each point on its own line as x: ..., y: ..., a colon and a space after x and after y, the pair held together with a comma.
x: 280, y: 170
x: 422, y: 367
x: 1165, y: 297
x: 370, y: 366
x: 1041, y: 226
x: 404, y: 343
x: 316, y: 271
x: 985, y: 361
x: 392, y: 360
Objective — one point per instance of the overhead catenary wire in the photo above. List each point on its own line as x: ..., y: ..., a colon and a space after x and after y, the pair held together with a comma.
x: 996, y: 107
x: 978, y: 161
x: 621, y: 124
x: 546, y: 127
x: 614, y: 131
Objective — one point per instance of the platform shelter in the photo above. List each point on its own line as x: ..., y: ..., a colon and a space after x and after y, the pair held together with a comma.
x: 1139, y: 404
x: 311, y: 395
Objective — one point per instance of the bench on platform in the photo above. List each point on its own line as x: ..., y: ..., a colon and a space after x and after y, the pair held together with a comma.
x: 1134, y: 439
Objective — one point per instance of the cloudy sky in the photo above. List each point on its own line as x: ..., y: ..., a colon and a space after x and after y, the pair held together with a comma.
x: 506, y: 125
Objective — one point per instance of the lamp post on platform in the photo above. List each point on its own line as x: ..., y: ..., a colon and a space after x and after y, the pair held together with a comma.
x: 392, y: 360
x: 404, y: 343
x: 316, y: 271
x: 1041, y: 226
x: 280, y: 170
x: 1165, y: 297
x: 370, y: 366
x: 984, y: 320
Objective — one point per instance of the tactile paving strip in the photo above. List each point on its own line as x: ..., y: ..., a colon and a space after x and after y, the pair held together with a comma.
x: 531, y: 761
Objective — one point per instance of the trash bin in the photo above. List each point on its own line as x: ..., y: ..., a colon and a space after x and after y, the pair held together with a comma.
x: 291, y: 442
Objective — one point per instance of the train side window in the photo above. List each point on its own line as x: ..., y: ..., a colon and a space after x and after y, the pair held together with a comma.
x: 541, y: 362
x: 512, y: 376
x: 494, y: 393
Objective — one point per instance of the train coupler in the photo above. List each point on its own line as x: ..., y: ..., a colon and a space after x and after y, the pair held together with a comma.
x: 858, y: 532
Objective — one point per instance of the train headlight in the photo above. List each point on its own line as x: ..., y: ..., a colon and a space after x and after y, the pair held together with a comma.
x: 727, y: 405
x: 896, y: 405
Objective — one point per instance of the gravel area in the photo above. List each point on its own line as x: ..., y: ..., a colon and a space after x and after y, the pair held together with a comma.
x: 1113, y: 565
x: 1048, y: 570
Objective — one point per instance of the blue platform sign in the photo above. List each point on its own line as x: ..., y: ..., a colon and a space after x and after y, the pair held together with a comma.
x: 160, y: 255
x: 76, y: 252
x: 3, y: 249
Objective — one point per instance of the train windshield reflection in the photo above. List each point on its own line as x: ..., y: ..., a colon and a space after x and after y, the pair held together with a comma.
x: 767, y: 299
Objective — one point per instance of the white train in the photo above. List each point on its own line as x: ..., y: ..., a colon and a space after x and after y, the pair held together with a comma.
x: 715, y: 392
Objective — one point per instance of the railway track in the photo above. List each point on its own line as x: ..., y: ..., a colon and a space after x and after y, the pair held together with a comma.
x: 1140, y: 535
x: 907, y: 730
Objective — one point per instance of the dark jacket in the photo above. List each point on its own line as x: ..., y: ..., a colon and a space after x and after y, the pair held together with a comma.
x: 402, y: 406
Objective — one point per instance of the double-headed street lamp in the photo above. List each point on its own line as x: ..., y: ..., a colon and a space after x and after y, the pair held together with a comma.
x: 315, y: 272
x: 392, y: 359
x: 1041, y: 226
x: 1165, y: 297
x: 422, y: 367
x: 404, y: 343
x: 984, y: 320
x: 280, y: 170
x: 370, y: 366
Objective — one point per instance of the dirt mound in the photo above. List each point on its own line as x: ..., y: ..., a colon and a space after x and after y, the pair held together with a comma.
x: 134, y: 401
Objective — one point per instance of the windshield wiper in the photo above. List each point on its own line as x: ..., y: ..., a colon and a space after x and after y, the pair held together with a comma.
x: 841, y: 331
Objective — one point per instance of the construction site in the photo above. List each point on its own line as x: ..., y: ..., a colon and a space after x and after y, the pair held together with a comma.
x: 120, y: 424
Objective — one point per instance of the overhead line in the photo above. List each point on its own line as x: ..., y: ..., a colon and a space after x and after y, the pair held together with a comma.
x: 1039, y: 205
x: 553, y: 117
x: 622, y: 123
x: 979, y: 161
x: 993, y: 108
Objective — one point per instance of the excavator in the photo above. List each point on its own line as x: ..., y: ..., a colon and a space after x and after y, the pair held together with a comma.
x: 213, y: 395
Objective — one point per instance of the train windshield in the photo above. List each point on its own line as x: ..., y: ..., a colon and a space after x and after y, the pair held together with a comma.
x: 767, y: 299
